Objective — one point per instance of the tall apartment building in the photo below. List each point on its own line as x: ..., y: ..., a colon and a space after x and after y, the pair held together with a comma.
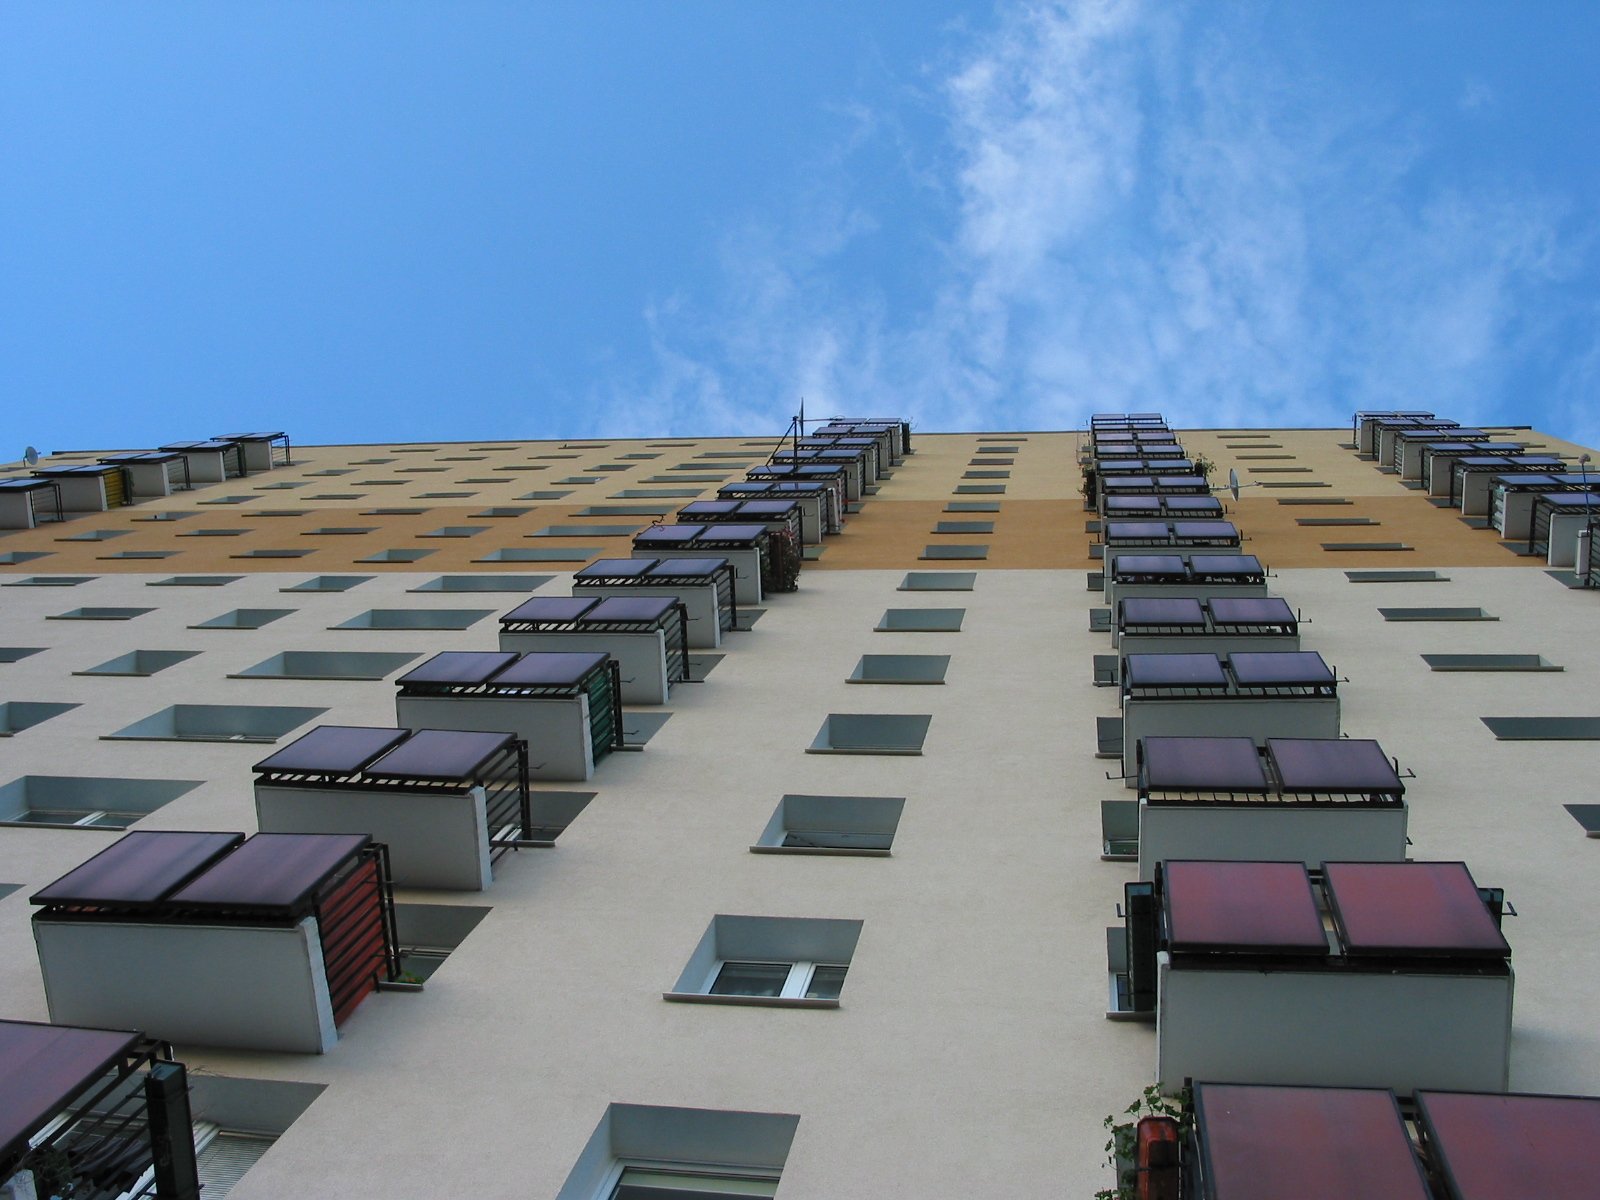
x: 896, y: 787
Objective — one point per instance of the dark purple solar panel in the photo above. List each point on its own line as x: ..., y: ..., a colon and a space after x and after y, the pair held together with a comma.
x: 1130, y: 483
x: 1411, y: 908
x: 460, y: 667
x: 1136, y: 531
x: 44, y: 1068
x: 139, y: 868
x: 1250, y: 610
x: 1149, y: 564
x: 610, y: 568
x: 434, y: 754
x: 1577, y: 501
x: 1184, y: 481
x: 550, y: 670
x: 748, y: 488
x: 668, y: 535
x: 1202, y: 764
x: 715, y: 507
x: 1189, y: 505
x: 1333, y: 765
x: 1131, y: 504
x: 333, y: 750
x: 1173, y: 670
x: 731, y: 534
x: 767, y: 508
x: 631, y: 608
x: 1225, y: 566
x: 689, y: 566
x: 1114, y: 435
x: 1162, y: 610
x: 1208, y: 531
x: 1308, y: 1143
x: 1280, y: 668
x: 1264, y: 907
x: 272, y: 870
x: 550, y: 608
x: 30, y: 484
x: 1494, y: 1147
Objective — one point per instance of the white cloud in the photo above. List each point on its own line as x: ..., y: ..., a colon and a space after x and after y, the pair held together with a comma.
x: 1140, y: 209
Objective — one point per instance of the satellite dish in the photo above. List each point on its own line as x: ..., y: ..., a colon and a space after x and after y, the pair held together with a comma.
x: 30, y: 455
x: 1233, y: 482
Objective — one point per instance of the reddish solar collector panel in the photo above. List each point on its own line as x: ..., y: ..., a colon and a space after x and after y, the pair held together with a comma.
x: 44, y: 1067
x: 1494, y: 1147
x: 138, y: 868
x: 272, y: 870
x: 1259, y: 907
x: 1305, y: 1143
x: 1204, y: 764
x: 333, y: 750
x: 1411, y: 908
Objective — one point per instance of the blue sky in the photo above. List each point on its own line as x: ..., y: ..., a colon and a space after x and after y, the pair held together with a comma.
x: 417, y: 221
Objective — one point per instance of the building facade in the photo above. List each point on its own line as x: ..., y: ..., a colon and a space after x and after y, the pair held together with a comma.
x: 942, y: 1028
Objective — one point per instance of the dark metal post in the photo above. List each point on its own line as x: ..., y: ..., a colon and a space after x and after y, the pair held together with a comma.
x: 166, y: 1092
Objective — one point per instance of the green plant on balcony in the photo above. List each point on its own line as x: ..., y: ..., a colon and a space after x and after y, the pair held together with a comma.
x: 1122, y: 1146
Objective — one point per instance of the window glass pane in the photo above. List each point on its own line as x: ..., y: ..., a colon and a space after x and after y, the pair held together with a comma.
x: 750, y: 979
x: 833, y: 840
x: 826, y: 983
x: 640, y: 1184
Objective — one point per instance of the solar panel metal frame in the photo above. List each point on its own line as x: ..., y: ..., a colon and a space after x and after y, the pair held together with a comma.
x: 1351, y: 897
x: 1226, y: 568
x: 541, y: 611
x: 1309, y: 766
x: 1485, y: 1156
x: 271, y: 874
x: 1367, y: 1151
x: 1179, y: 766
x: 1149, y: 568
x: 1254, y: 908
x: 332, y: 750
x: 1176, y: 613
x: 51, y: 1070
x: 441, y: 755
x: 452, y: 669
x: 1258, y: 670
x: 1252, y: 613
x: 176, y: 856
x: 1165, y: 674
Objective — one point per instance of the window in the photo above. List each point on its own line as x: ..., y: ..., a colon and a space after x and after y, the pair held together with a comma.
x: 326, y: 664
x: 900, y: 668
x: 328, y: 583
x: 49, y: 581
x: 416, y: 618
x: 1489, y: 662
x: 395, y: 556
x: 777, y: 980
x: 938, y: 581
x: 795, y: 962
x: 1435, y: 614
x: 1396, y: 577
x: 195, y: 581
x: 1544, y: 729
x: 838, y: 825
x: 871, y: 733
x: 921, y: 620
x: 963, y: 527
x: 140, y: 662
x: 240, y: 723
x: 540, y: 554
x: 71, y: 800
x: 99, y: 614
x: 19, y: 715
x: 245, y: 618
x: 502, y: 582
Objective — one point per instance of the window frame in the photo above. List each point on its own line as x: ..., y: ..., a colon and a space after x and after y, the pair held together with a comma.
x: 797, y: 986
